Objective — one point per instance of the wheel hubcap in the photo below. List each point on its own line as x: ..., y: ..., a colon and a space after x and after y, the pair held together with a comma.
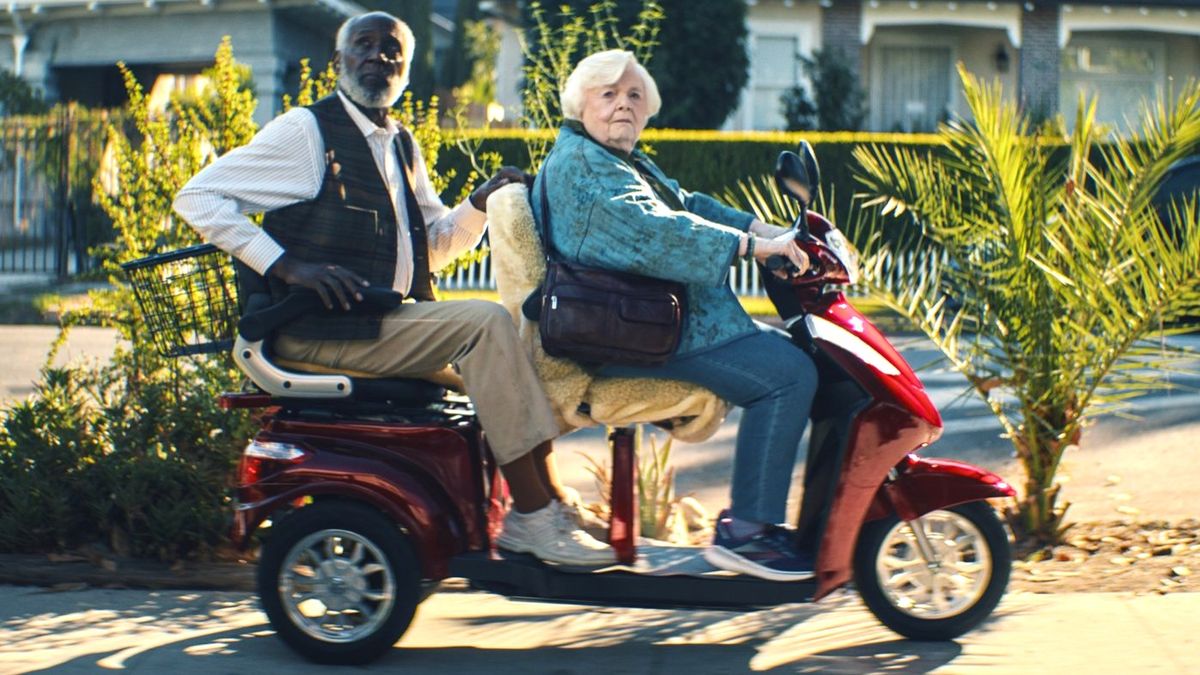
x: 943, y: 587
x: 337, y: 586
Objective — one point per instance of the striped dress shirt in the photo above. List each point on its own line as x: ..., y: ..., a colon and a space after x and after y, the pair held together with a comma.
x: 285, y: 164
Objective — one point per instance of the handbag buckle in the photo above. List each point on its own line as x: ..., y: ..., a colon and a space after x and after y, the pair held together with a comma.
x: 554, y: 302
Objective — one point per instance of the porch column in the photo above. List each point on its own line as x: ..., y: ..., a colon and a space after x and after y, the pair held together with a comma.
x: 1037, y: 84
x: 841, y: 31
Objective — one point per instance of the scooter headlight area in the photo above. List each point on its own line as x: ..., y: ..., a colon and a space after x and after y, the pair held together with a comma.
x: 841, y: 249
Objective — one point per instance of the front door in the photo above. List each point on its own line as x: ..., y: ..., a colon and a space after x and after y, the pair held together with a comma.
x: 916, y: 88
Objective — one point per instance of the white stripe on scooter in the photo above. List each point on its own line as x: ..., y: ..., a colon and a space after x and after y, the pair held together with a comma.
x: 823, y: 329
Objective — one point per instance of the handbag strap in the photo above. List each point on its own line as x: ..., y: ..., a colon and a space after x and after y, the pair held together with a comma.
x: 544, y: 226
x: 532, y: 306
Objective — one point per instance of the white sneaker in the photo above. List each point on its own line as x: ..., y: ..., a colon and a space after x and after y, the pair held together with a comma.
x: 550, y: 535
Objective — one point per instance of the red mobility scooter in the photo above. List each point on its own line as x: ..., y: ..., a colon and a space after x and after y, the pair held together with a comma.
x: 376, y: 489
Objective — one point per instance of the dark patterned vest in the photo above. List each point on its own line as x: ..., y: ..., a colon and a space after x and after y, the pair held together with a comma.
x: 352, y: 223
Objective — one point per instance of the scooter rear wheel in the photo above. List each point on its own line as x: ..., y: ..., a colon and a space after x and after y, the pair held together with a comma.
x: 339, y: 583
x: 941, y: 601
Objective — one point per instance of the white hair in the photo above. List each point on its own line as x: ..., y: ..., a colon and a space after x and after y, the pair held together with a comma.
x: 602, y: 69
x: 407, y: 41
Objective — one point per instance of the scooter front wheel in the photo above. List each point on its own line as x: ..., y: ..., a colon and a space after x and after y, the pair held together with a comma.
x: 339, y: 583
x: 939, y: 582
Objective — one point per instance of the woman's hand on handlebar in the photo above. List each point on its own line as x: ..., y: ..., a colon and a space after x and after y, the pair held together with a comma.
x: 330, y: 282
x: 786, y: 247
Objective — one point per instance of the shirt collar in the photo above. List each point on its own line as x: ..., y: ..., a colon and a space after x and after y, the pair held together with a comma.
x: 366, y: 126
x: 577, y: 127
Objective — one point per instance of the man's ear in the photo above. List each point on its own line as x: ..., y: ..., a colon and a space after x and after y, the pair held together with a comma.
x: 337, y: 61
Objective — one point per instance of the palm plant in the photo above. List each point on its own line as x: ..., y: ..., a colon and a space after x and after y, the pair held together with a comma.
x: 1041, y: 268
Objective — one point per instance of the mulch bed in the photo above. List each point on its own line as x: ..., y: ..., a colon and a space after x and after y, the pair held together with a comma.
x: 1150, y: 557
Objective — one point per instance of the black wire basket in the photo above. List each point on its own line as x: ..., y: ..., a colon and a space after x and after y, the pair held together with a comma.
x: 188, y: 298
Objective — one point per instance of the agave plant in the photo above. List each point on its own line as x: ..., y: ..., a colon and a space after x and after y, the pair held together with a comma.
x: 1035, y: 259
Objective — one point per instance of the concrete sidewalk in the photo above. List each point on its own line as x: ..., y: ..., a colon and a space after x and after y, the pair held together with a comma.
x: 467, y: 632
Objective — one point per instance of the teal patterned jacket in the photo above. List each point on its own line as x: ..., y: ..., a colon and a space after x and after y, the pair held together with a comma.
x: 604, y: 213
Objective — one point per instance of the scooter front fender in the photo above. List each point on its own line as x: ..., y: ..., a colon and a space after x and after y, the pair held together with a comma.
x: 930, y: 483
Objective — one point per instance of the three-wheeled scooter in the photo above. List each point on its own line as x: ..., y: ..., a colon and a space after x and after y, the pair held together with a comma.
x: 374, y: 490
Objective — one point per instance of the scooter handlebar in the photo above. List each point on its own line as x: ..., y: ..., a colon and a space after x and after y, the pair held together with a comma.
x: 777, y: 262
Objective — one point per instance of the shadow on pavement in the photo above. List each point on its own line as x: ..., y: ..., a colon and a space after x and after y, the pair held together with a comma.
x: 831, y: 638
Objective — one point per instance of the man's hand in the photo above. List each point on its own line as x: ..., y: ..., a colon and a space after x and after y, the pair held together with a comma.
x: 329, y: 281
x: 506, y: 175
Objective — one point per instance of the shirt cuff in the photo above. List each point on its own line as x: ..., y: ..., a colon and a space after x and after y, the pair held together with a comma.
x: 467, y: 217
x: 261, y: 252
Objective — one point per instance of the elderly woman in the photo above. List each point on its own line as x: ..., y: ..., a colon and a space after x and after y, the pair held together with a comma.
x: 611, y: 207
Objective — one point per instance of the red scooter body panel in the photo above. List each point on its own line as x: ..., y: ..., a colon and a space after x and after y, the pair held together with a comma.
x: 880, y: 437
x: 931, y: 483
x: 425, y: 477
x: 905, y: 387
x: 900, y: 419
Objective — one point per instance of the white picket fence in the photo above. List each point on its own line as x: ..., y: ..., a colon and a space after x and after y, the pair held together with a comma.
x: 744, y: 280
x: 480, y: 276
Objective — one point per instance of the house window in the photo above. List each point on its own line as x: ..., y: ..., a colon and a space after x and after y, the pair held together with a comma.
x: 775, y: 69
x: 1122, y: 72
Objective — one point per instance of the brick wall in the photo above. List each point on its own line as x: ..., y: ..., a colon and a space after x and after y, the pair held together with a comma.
x: 841, y: 26
x: 1038, y: 82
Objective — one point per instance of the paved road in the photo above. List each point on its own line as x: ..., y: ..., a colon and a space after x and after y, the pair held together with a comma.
x: 464, y: 632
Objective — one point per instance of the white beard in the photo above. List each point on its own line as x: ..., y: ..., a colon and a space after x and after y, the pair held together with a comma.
x: 383, y: 98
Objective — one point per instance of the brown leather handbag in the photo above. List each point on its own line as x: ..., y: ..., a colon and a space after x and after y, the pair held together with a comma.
x: 598, y: 316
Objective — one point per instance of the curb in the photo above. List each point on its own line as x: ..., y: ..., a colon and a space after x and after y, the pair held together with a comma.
x: 41, y: 570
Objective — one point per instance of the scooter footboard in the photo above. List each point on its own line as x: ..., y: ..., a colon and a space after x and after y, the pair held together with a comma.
x: 930, y: 483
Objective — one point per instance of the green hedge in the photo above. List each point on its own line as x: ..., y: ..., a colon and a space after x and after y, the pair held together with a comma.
x: 714, y: 162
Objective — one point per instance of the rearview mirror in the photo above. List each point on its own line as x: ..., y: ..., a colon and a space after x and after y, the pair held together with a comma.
x: 798, y: 174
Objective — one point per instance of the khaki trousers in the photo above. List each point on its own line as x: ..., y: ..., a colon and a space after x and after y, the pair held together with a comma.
x: 476, y: 337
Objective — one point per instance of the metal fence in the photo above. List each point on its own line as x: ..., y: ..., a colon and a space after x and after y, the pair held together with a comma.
x: 48, y: 220
x: 744, y: 279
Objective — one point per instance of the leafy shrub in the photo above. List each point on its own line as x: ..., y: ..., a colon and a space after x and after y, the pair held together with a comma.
x: 47, y: 445
x: 836, y: 103
x: 17, y: 97
x: 134, y: 454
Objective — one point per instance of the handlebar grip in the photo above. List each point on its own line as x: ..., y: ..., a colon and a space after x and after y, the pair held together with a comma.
x: 258, y: 324
x: 779, y: 262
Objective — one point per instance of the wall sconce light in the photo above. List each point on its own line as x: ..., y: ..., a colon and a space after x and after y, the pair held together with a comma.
x: 1001, y: 59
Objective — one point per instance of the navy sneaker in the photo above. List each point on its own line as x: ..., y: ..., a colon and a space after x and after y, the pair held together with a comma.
x: 770, y: 554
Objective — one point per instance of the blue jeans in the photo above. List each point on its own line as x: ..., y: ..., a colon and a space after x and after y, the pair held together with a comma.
x: 773, y: 381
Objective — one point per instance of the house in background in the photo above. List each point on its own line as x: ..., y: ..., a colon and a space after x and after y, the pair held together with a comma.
x: 68, y: 48
x: 1045, y: 54
x: 905, y: 51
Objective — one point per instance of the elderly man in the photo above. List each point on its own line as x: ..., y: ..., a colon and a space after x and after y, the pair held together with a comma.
x: 348, y: 204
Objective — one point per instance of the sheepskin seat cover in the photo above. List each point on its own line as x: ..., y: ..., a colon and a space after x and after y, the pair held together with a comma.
x: 692, y: 412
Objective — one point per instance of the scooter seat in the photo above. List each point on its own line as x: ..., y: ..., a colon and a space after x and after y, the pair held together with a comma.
x: 400, y: 391
x: 397, y: 390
